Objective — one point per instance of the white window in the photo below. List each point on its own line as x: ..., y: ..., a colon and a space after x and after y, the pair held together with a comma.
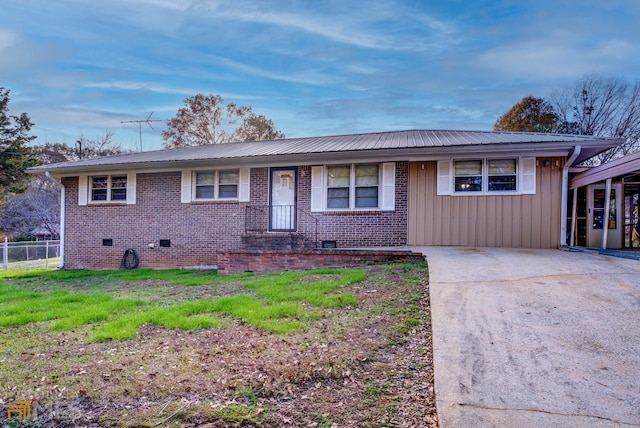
x: 219, y: 184
x: 338, y: 186
x: 367, y: 178
x: 502, y: 175
x: 486, y: 176
x: 353, y: 187
x: 468, y: 176
x: 108, y: 188
x: 213, y: 185
x: 105, y: 188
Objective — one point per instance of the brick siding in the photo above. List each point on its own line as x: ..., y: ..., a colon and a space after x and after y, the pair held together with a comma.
x: 357, y: 228
x: 200, y: 230
x: 197, y: 231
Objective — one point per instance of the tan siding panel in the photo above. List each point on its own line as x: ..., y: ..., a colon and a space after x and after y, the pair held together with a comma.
x: 514, y: 227
x: 527, y: 214
x: 525, y: 221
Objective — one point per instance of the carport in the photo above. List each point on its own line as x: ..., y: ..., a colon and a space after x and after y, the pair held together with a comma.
x: 604, y: 205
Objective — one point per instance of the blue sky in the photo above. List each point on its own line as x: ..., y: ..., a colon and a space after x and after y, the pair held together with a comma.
x: 313, y: 67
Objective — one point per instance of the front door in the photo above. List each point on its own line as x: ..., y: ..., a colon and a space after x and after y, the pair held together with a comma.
x: 631, y: 216
x: 282, y: 213
x: 596, y: 204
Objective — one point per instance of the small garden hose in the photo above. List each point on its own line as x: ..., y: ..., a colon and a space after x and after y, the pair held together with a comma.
x: 130, y: 259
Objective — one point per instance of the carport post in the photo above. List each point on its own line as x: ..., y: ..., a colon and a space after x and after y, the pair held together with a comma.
x: 565, y: 194
x: 607, y: 207
x: 572, y: 239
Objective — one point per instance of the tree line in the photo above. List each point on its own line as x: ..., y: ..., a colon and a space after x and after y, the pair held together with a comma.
x: 601, y: 106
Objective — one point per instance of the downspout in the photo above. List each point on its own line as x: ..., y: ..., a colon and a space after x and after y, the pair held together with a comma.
x: 565, y: 192
x: 62, y: 217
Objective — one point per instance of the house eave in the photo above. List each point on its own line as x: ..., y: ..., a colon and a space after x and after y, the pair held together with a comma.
x: 370, y: 155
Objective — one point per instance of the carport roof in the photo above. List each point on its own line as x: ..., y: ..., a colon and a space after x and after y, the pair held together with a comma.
x: 393, y: 145
x: 625, y: 165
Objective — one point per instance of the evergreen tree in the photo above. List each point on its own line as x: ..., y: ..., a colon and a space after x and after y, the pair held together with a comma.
x: 15, y: 154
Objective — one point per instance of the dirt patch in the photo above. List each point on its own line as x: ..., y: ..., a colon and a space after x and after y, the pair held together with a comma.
x: 369, y: 365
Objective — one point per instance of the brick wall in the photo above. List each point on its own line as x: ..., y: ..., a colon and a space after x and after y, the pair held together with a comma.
x: 357, y: 228
x: 238, y: 261
x: 198, y: 231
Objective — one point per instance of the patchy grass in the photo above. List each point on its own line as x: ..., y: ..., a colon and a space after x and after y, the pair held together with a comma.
x: 93, y: 278
x: 275, y: 305
x: 345, y: 347
x: 292, y: 286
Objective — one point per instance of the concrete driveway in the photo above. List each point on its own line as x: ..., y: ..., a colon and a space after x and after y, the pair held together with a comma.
x: 535, y: 338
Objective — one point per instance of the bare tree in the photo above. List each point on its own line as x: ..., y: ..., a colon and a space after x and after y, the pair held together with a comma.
x: 85, y: 148
x: 99, y: 146
x: 49, y: 153
x: 601, y: 106
x: 38, y: 207
x: 206, y: 119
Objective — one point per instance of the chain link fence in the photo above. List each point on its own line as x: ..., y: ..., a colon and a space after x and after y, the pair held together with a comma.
x: 25, y: 254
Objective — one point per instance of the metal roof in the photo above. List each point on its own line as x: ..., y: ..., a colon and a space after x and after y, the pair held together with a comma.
x: 394, y: 144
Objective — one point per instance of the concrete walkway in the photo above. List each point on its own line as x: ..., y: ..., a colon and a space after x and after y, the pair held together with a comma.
x: 535, y: 338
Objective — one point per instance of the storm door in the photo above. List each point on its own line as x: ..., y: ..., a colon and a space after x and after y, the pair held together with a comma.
x: 282, y: 200
x: 632, y: 215
x: 596, y: 221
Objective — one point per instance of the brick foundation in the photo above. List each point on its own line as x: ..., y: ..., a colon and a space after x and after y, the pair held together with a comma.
x: 238, y: 261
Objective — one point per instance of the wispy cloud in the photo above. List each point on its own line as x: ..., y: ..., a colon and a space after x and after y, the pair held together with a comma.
x: 174, y: 5
x: 308, y: 77
x: 139, y: 86
x: 362, y: 25
x: 556, y: 55
x: 18, y: 54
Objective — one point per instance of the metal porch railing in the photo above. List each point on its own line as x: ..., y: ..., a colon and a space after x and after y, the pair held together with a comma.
x: 281, y: 218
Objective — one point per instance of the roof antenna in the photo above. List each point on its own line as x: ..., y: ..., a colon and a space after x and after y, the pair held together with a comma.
x: 148, y: 121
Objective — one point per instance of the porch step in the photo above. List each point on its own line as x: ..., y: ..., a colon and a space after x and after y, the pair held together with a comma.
x: 275, y: 242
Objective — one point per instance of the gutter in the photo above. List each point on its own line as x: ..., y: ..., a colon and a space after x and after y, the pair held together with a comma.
x: 565, y: 192
x: 62, y: 217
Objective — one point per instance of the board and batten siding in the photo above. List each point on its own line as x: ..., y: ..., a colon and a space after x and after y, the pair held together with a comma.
x: 512, y: 221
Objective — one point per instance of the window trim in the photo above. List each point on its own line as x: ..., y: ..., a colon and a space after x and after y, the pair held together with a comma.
x: 109, y: 199
x: 187, y: 187
x: 216, y: 185
x: 352, y: 187
x: 386, y: 188
x: 525, y: 177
